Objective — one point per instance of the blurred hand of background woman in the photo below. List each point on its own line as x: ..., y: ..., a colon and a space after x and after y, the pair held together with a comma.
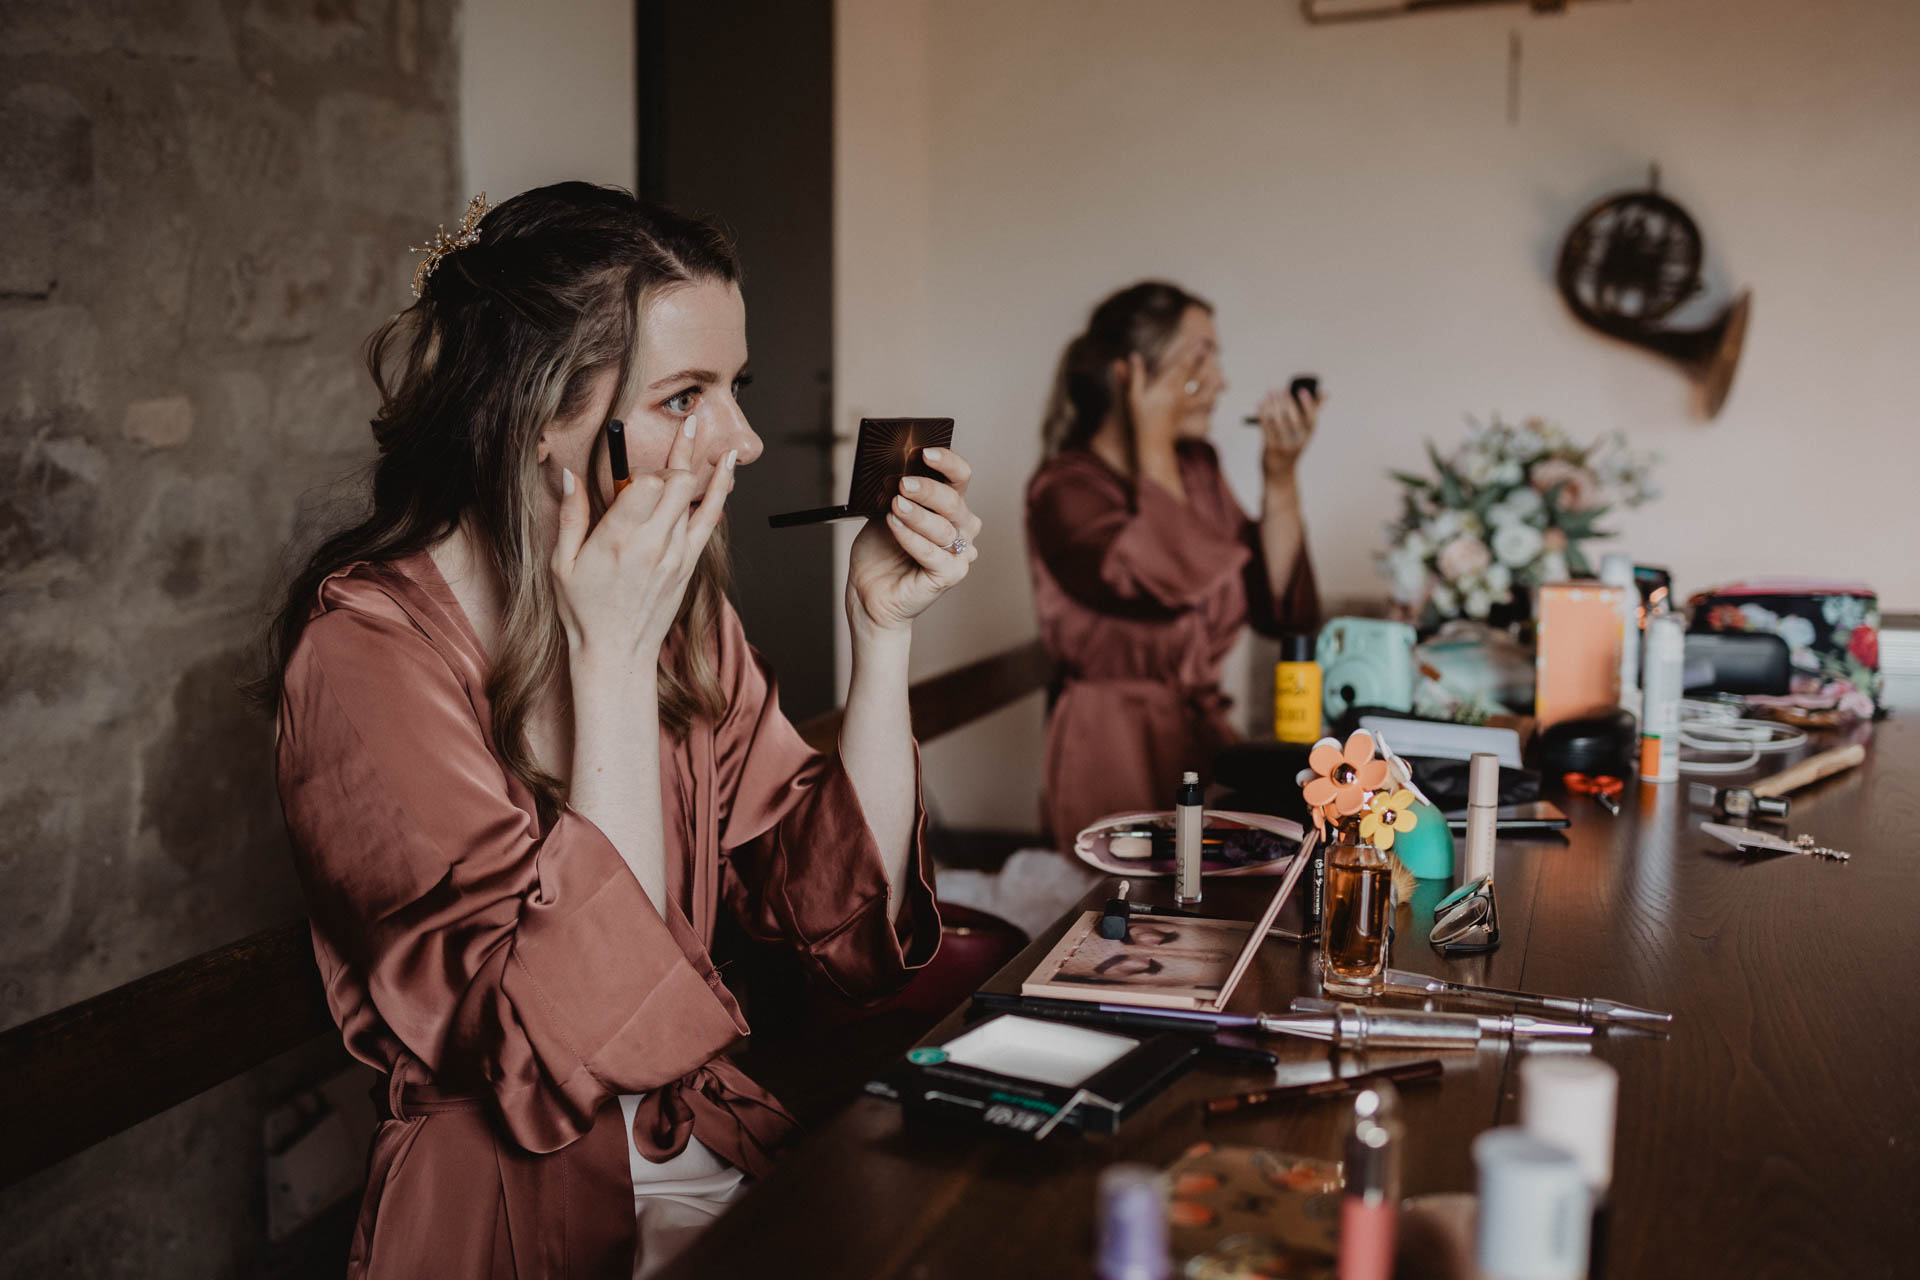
x: 1287, y: 422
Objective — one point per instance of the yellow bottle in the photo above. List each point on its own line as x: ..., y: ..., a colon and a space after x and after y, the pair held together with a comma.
x: 1296, y: 692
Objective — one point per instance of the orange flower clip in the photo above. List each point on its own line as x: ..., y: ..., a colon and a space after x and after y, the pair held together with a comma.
x: 1342, y: 777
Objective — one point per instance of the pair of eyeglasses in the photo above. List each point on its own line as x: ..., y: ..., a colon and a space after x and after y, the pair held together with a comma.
x: 1467, y: 921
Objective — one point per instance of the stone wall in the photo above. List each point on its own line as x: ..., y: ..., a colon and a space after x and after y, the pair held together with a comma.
x: 205, y: 207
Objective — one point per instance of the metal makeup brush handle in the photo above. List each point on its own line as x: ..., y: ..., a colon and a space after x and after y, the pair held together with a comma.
x: 1353, y: 1027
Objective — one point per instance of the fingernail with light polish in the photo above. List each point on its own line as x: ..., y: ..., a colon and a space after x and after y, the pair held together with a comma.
x: 910, y: 485
x: 733, y: 456
x: 903, y: 505
x: 566, y: 482
x: 931, y: 455
x: 691, y: 426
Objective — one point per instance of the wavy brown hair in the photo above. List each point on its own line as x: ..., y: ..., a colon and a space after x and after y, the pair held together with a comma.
x: 509, y: 334
x: 1139, y: 320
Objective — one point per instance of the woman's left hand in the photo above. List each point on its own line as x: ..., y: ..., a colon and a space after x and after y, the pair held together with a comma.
x: 925, y: 546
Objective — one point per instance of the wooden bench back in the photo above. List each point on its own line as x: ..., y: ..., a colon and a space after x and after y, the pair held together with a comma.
x: 86, y: 1072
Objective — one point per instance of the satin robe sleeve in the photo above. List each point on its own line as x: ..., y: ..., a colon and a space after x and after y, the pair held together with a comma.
x: 1297, y: 608
x: 1132, y: 550
x: 532, y: 966
x: 800, y: 864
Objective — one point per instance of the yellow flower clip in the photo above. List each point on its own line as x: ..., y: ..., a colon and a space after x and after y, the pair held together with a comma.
x: 1388, y: 814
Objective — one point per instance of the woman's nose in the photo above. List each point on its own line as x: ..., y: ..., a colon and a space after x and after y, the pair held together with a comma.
x: 741, y: 436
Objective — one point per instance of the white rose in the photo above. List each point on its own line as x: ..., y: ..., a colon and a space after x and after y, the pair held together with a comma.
x: 1445, y: 603
x: 1477, y: 604
x: 1498, y: 579
x: 1507, y: 473
x: 1516, y: 544
x: 1552, y: 568
x: 1408, y: 569
x: 1524, y: 501
x: 1443, y: 526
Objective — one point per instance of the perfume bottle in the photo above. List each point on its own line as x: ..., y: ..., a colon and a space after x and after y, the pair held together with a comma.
x: 1353, y: 937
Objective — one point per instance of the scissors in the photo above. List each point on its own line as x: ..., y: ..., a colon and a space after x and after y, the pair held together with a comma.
x: 1602, y: 787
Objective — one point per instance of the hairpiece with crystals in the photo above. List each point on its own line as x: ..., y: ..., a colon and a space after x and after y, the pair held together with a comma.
x: 442, y: 244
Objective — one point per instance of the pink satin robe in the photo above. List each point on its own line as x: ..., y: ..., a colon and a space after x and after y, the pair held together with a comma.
x: 1139, y: 597
x: 513, y: 978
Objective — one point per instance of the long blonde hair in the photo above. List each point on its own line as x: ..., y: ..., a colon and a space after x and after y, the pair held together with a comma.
x: 509, y: 334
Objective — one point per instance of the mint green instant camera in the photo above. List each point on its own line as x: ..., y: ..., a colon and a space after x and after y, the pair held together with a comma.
x: 1365, y: 662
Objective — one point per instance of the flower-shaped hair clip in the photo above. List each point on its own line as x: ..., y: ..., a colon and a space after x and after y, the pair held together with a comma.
x: 445, y: 242
x: 1389, y: 813
x: 1342, y: 777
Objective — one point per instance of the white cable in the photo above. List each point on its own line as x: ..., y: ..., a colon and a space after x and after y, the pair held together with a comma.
x: 1716, y: 728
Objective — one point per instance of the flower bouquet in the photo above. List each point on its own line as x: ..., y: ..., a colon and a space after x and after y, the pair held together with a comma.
x: 1509, y: 508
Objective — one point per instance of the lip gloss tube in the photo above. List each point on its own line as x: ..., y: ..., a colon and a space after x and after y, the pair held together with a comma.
x: 1369, y: 1210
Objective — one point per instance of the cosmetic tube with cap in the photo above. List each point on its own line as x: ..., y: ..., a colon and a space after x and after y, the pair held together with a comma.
x: 1133, y: 1224
x: 1616, y: 570
x: 1296, y: 692
x: 1187, y: 814
x: 1369, y: 1210
x: 1533, y: 1209
x: 1483, y: 806
x: 1571, y: 1102
x: 1663, y: 684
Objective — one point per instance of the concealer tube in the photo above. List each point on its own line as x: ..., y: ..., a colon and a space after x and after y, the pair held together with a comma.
x: 1187, y: 814
x: 1483, y: 803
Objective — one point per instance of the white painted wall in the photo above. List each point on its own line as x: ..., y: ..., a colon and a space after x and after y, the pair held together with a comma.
x: 1356, y: 203
x: 546, y: 94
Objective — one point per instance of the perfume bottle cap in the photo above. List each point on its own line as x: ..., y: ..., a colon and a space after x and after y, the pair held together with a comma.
x: 1133, y: 1224
x: 1535, y: 1214
x: 1296, y: 648
x: 1483, y: 779
x: 1570, y: 1102
x: 1189, y: 778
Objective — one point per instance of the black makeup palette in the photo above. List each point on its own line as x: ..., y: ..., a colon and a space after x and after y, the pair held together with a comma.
x: 888, y: 449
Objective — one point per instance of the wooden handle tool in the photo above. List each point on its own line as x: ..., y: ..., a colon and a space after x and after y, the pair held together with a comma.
x: 1811, y: 770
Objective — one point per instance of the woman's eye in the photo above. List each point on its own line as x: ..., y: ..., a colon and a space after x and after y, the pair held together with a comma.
x: 683, y: 403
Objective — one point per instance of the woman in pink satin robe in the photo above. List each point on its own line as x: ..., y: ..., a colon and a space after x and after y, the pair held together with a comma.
x: 1145, y: 567
x: 527, y: 755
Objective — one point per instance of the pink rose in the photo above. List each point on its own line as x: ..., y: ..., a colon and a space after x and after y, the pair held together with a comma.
x: 1462, y: 556
x: 1579, y: 487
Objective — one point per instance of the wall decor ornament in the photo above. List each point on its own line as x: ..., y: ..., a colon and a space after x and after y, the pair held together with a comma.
x: 1630, y: 261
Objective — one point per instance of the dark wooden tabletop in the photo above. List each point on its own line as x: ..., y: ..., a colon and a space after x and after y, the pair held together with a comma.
x: 1775, y: 1132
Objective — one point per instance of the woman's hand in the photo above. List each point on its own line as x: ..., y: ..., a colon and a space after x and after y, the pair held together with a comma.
x: 1287, y: 422
x: 925, y: 546
x: 620, y: 586
x: 1157, y: 402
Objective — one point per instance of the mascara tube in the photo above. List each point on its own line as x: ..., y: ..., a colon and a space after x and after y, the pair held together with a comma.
x: 1187, y: 814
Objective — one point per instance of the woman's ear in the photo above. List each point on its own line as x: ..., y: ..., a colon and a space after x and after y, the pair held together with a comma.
x: 543, y: 446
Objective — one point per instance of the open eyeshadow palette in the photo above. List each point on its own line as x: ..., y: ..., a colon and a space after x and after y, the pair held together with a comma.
x: 1234, y: 844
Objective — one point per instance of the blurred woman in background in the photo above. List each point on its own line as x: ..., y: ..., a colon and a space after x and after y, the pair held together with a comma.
x: 1145, y: 567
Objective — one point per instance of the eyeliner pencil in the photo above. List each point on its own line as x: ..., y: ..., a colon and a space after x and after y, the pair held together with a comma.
x: 617, y: 454
x: 1406, y: 1073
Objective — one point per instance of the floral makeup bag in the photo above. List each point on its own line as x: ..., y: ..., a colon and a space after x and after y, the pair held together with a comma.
x: 1832, y: 630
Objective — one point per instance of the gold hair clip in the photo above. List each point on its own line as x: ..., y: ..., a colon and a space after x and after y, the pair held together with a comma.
x: 442, y: 244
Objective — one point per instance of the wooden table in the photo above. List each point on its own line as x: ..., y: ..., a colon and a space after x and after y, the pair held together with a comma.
x: 1774, y: 1133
